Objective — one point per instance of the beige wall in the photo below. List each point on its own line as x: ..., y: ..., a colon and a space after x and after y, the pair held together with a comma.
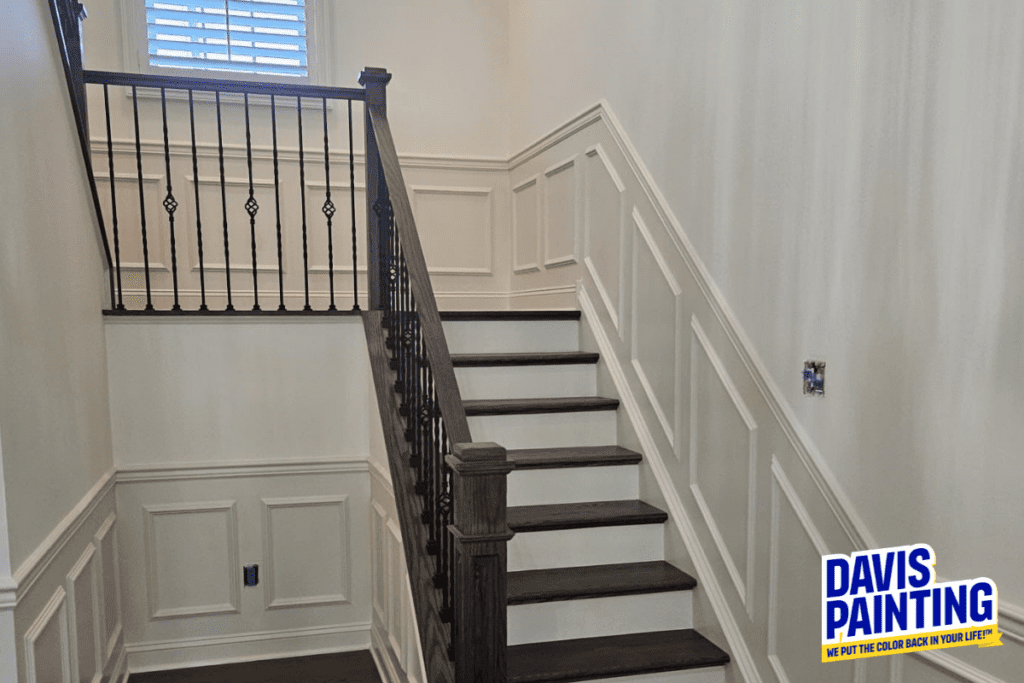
x: 54, y: 416
x: 848, y: 173
x: 450, y: 92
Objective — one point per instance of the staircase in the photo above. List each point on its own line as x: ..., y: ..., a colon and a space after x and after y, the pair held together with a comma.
x: 590, y: 595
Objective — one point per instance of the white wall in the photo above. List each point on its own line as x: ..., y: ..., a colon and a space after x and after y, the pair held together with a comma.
x: 241, y: 441
x: 848, y: 174
x: 54, y: 415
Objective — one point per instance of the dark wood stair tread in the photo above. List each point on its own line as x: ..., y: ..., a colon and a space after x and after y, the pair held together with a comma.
x: 510, y: 315
x: 583, y: 515
x: 582, y: 659
x: 530, y: 406
x: 602, y: 580
x: 473, y: 360
x: 572, y: 456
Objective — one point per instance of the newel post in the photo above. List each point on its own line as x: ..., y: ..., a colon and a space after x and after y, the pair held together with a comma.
x: 481, y: 535
x: 378, y: 225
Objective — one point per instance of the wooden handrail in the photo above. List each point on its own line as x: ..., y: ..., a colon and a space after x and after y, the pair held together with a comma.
x: 456, y: 542
x: 448, y: 395
x: 223, y: 85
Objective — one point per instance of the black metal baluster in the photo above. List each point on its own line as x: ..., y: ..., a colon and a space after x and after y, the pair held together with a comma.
x: 170, y: 204
x: 113, y: 202
x: 328, y: 209
x: 224, y: 205
x: 277, y: 203
x: 352, y: 198
x: 251, y: 207
x: 142, y: 201
x: 199, y: 222
x: 302, y: 190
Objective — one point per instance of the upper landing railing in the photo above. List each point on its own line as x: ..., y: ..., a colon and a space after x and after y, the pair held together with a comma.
x: 192, y: 171
x: 227, y: 196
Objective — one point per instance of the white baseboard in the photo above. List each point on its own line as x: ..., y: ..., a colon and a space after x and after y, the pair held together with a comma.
x: 247, y: 647
x: 385, y: 659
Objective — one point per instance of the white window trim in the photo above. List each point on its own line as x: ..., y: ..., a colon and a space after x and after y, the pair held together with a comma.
x: 318, y: 53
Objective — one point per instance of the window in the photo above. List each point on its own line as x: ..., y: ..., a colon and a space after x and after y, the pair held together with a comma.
x: 247, y: 39
x: 266, y: 37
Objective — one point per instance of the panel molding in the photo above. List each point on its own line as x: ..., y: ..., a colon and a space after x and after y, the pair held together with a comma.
x: 273, y: 601
x: 462, y: 191
x: 563, y: 166
x: 519, y: 266
x: 108, y: 641
x: 218, y: 236
x: 680, y: 518
x: 744, y: 584
x: 780, y: 482
x: 156, y: 246
x: 614, y: 309
x: 640, y: 228
x: 79, y: 568
x: 378, y: 587
x: 56, y: 607
x: 29, y: 571
x: 151, y: 512
x: 396, y: 613
x: 233, y: 470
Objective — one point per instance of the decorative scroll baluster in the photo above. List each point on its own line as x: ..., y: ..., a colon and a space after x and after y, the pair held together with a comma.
x: 170, y: 204
x: 224, y: 205
x: 113, y: 200
x: 251, y: 207
x: 277, y: 203
x: 302, y: 192
x: 142, y: 199
x: 352, y: 202
x: 328, y: 210
x: 199, y: 221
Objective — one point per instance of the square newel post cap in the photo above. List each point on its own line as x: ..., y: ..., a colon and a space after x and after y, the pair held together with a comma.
x: 478, y: 459
x: 375, y: 79
x: 375, y: 75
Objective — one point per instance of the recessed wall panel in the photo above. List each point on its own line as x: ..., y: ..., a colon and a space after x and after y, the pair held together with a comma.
x: 722, y: 460
x: 560, y: 212
x: 192, y: 559
x: 46, y: 643
x: 794, y: 620
x: 378, y: 521
x: 526, y: 227
x: 455, y: 228
x: 299, y: 572
x: 129, y: 233
x: 603, y: 228
x: 655, y: 323
x: 83, y: 600
x: 212, y: 209
x: 341, y: 230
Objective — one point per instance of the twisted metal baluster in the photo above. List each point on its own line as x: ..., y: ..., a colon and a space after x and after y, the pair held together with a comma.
x: 224, y: 205
x: 142, y: 201
x: 277, y: 203
x: 302, y: 190
x: 251, y: 207
x: 170, y: 203
x: 328, y: 209
x: 199, y: 221
x: 113, y: 201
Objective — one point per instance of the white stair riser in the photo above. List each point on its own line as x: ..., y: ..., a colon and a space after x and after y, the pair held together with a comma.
x: 510, y: 336
x: 580, y: 547
x: 547, y: 430
x: 573, y: 485
x: 594, y: 617
x: 527, y: 381
x: 712, y: 675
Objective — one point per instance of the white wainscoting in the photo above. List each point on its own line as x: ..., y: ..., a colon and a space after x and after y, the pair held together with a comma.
x: 395, y: 641
x: 462, y: 208
x: 67, y: 614
x: 190, y: 528
x: 747, y: 494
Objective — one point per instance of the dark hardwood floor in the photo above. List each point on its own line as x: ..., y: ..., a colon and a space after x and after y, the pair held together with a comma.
x: 342, y: 667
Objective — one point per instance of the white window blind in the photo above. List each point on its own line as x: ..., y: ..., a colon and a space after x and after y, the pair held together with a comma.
x: 266, y: 37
